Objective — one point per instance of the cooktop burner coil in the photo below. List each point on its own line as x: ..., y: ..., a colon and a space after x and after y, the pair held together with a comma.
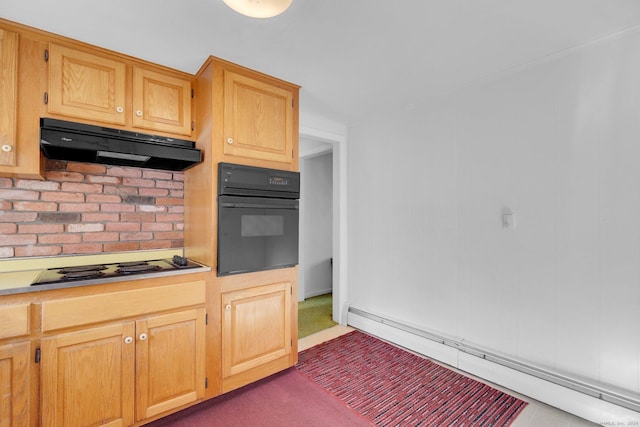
x: 86, y: 274
x: 133, y: 263
x: 136, y: 268
x: 82, y: 268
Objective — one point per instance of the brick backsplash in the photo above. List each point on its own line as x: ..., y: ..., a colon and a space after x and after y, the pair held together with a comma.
x: 85, y: 208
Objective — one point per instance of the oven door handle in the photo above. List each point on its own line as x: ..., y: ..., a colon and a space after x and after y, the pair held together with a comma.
x: 292, y: 206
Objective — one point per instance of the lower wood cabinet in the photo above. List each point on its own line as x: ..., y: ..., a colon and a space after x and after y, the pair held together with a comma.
x: 14, y: 384
x: 131, y: 352
x: 122, y: 357
x: 87, y: 377
x: 170, y: 362
x: 256, y: 327
x: 121, y: 373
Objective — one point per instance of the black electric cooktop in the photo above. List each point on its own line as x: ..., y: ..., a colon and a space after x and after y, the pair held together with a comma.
x: 107, y: 271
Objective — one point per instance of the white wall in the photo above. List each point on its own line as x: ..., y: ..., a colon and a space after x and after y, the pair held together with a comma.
x: 316, y: 224
x: 559, y: 144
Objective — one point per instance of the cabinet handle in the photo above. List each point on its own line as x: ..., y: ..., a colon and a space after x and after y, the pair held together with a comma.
x: 139, y: 113
x: 128, y: 340
x: 228, y: 307
x: 142, y: 337
x: 119, y: 109
x: 229, y: 140
x: 7, y: 148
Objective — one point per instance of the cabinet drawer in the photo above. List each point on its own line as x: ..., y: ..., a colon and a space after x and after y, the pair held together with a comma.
x: 84, y: 310
x: 14, y: 320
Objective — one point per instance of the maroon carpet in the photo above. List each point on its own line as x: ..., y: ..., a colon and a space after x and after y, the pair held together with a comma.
x: 287, y: 399
x: 392, y: 387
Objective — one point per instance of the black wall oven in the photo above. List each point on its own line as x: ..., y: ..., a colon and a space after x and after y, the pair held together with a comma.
x: 258, y: 215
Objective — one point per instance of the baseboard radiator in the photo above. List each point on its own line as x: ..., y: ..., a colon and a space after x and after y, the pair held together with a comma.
x: 628, y: 401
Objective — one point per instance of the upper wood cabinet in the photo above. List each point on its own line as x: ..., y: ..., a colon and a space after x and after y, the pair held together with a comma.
x: 246, y: 117
x: 8, y: 96
x: 86, y: 86
x: 258, y: 118
x: 97, y: 88
x: 161, y: 102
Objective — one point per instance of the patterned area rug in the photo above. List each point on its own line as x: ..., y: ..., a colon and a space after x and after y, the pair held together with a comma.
x: 392, y: 387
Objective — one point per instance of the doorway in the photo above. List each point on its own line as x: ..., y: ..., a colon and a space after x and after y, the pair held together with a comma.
x: 315, y: 283
x: 334, y: 134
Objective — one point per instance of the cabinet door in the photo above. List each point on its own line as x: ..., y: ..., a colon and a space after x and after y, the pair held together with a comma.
x: 170, y: 361
x: 256, y: 327
x: 8, y: 96
x: 87, y: 377
x: 161, y: 102
x: 86, y: 86
x: 258, y: 119
x: 14, y: 384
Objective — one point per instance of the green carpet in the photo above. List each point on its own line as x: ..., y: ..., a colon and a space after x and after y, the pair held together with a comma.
x: 314, y: 314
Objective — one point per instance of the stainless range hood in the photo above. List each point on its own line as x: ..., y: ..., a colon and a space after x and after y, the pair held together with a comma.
x: 62, y: 140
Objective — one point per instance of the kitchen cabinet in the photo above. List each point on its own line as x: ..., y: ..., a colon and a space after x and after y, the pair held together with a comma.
x: 14, y: 383
x: 99, y: 370
x: 14, y: 365
x: 256, y: 331
x: 98, y: 88
x: 161, y: 102
x: 170, y: 361
x: 58, y: 77
x: 86, y: 86
x: 253, y: 117
x: 258, y: 118
x: 245, y: 117
x: 88, y: 377
x: 21, y: 77
x: 22, y: 82
x: 8, y: 96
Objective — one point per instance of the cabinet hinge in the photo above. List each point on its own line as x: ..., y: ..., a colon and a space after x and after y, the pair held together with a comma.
x: 193, y: 93
x: 46, y: 55
x: 206, y: 319
x: 46, y: 98
x: 206, y: 382
x: 193, y: 125
x: 37, y: 357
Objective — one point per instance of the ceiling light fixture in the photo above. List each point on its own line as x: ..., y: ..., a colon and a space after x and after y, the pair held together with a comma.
x: 259, y: 8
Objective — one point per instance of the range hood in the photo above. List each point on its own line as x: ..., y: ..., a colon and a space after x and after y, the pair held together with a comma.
x: 62, y: 140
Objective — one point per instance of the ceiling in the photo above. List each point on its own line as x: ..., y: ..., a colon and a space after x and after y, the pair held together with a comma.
x: 353, y: 58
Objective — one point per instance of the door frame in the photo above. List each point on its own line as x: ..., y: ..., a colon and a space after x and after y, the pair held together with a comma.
x: 336, y: 135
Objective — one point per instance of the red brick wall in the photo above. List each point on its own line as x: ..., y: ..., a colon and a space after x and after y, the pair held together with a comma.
x: 83, y: 208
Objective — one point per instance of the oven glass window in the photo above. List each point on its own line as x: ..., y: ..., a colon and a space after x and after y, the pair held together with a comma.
x: 261, y: 225
x: 256, y: 234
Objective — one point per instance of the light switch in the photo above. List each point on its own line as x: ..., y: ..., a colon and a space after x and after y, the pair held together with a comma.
x: 508, y: 219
